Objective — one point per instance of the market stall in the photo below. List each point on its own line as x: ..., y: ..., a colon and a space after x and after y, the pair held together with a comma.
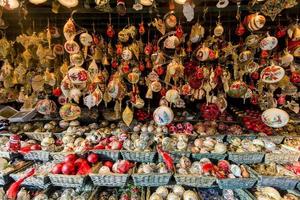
x: 149, y: 99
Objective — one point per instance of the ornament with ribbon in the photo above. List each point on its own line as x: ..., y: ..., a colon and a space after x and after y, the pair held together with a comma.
x: 14, y: 188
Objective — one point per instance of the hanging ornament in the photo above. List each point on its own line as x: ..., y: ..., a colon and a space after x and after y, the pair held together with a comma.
x: 69, y: 112
x: 89, y: 101
x: 219, y: 30
x: 240, y: 30
x: 46, y: 107
x: 68, y: 3
x: 71, y: 47
x: 237, y: 89
x: 275, y: 118
x: 222, y: 3
x: 98, y: 95
x: 69, y: 30
x: 172, y: 96
x: 86, y: 40
x: 272, y: 74
x: 78, y: 75
x: 146, y: 2
x: 137, y: 6
x: 179, y: 32
x: 127, y: 115
x: 142, y: 28
x: 121, y: 7
x: 163, y: 115
x: 188, y: 10
x: 268, y: 43
x: 93, y: 69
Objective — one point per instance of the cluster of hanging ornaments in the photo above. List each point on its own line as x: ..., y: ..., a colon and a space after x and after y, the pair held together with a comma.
x: 169, y: 73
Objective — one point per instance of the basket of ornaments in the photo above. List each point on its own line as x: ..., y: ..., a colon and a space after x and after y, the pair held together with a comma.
x: 151, y: 174
x: 112, y: 173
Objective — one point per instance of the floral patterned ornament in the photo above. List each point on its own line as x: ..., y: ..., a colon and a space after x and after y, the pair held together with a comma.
x: 69, y: 112
x: 89, y: 101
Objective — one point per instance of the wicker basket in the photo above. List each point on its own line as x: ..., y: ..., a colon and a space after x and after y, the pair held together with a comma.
x: 40, y: 181
x: 244, y: 194
x: 59, y: 156
x: 282, y: 182
x: 281, y: 158
x: 277, y: 139
x: 108, y: 154
x: 7, y: 154
x: 176, y: 155
x: 151, y: 180
x: 4, y: 178
x: 298, y: 186
x: 246, y: 157
x: 67, y: 180
x: 59, y: 135
x: 195, y: 180
x: 229, y: 138
x: 214, y: 156
x: 138, y: 156
x: 37, y: 155
x: 236, y: 183
x: 39, y: 136
x: 110, y: 180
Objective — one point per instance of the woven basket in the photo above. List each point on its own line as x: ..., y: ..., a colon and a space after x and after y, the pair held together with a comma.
x: 4, y: 178
x: 236, y: 183
x: 110, y: 180
x: 59, y: 156
x: 138, y: 156
x: 285, y: 183
x: 244, y: 194
x: 246, y: 157
x: 37, y: 155
x: 35, y: 180
x: 277, y: 139
x: 176, y: 155
x: 282, y: 182
x: 281, y: 158
x: 229, y: 138
x: 7, y: 154
x: 151, y: 180
x: 108, y: 154
x: 39, y: 136
x: 59, y: 135
x: 214, y: 156
x: 298, y: 186
x: 67, y: 180
x: 195, y: 180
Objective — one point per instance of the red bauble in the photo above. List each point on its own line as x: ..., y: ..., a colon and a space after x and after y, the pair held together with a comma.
x: 295, y: 77
x: 56, y: 92
x: 57, y: 169
x: 240, y: 30
x: 70, y: 158
x: 93, y: 158
x: 255, y: 75
x: 195, y: 83
x: 114, y: 63
x: 160, y: 70
x: 210, y: 111
x: 68, y: 168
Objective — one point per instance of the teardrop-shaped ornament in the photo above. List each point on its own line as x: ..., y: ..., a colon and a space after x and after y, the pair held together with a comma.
x: 89, y: 101
x: 98, y: 95
x: 127, y: 115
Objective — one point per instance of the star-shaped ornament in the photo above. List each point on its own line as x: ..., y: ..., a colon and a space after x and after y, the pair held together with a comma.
x: 229, y: 49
